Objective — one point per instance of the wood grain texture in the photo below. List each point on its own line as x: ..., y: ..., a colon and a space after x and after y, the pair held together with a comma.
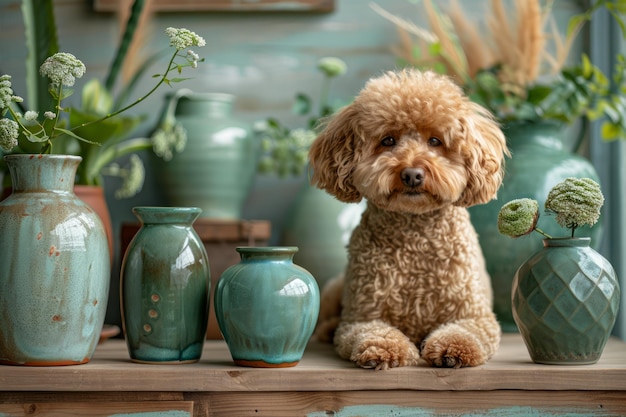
x: 99, y: 409
x: 320, y: 370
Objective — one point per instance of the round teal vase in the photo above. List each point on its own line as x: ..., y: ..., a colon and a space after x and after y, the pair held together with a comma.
x: 216, y: 169
x: 164, y: 287
x: 266, y: 307
x: 565, y: 301
x: 54, y: 266
x: 539, y: 161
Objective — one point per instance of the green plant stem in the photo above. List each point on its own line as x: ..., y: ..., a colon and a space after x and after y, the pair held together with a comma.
x: 110, y: 154
x: 325, y: 90
x: 134, y: 103
x: 538, y: 230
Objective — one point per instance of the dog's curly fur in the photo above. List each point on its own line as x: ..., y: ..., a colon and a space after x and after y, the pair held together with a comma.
x: 420, y: 152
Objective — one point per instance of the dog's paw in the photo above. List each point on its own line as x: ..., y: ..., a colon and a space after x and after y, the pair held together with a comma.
x: 452, y: 351
x: 382, y: 353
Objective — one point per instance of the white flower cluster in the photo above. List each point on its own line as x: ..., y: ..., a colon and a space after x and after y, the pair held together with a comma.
x: 9, y: 129
x: 62, y: 69
x: 183, y: 38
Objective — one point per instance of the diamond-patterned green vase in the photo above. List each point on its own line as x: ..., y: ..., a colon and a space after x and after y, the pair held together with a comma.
x: 565, y: 300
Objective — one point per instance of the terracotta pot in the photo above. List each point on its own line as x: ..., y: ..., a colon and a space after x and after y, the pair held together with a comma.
x: 94, y: 197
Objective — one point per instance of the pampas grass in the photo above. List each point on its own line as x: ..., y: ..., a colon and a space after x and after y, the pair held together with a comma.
x: 514, y: 40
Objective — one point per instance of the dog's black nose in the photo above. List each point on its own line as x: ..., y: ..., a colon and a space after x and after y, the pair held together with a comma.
x: 412, y: 177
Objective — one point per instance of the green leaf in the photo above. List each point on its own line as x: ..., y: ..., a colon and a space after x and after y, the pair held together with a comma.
x: 610, y: 131
x: 122, y: 49
x: 75, y: 136
x: 41, y: 42
x: 302, y: 104
x: 96, y: 98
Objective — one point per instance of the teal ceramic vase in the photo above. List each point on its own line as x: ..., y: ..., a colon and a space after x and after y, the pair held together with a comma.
x: 539, y: 161
x: 216, y: 169
x: 266, y: 307
x: 320, y: 226
x: 54, y: 266
x: 164, y: 287
x: 565, y: 301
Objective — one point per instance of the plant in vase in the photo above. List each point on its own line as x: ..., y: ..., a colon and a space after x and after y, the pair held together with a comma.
x: 565, y: 297
x: 55, y: 251
x: 518, y: 65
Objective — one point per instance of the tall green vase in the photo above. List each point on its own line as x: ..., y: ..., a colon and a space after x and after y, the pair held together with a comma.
x: 217, y: 166
x: 165, y: 282
x: 54, y: 266
x: 539, y: 161
x: 565, y: 302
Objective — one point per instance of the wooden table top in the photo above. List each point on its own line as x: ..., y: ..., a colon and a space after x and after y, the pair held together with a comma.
x: 320, y: 370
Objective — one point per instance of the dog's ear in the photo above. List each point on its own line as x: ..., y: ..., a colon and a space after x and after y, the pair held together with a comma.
x: 484, y: 149
x: 332, y: 155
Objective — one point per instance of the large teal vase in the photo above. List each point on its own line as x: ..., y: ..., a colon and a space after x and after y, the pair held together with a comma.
x: 539, y: 161
x: 320, y: 226
x: 54, y: 266
x: 266, y: 307
x: 217, y: 166
x: 164, y: 287
x: 565, y: 302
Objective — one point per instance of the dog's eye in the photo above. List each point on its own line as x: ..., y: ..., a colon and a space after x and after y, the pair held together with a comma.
x: 388, y: 141
x: 433, y: 141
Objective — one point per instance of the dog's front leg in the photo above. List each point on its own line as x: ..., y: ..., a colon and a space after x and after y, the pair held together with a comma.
x: 465, y: 342
x: 375, y: 344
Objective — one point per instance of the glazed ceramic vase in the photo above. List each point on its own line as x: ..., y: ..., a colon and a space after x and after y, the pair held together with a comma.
x: 320, y: 226
x: 266, y: 307
x: 539, y: 161
x: 216, y: 168
x: 565, y: 301
x: 54, y: 266
x: 164, y: 287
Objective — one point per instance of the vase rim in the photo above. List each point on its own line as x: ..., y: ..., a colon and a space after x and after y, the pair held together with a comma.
x: 567, y: 241
x: 41, y: 156
x: 158, y: 209
x: 267, y: 249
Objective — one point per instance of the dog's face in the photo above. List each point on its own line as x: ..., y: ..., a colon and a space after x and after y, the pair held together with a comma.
x: 410, y: 142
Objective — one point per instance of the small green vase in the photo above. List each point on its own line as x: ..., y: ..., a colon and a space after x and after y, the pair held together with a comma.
x: 165, y: 282
x: 54, y: 266
x: 217, y: 166
x: 565, y: 301
x: 539, y: 161
x: 266, y: 307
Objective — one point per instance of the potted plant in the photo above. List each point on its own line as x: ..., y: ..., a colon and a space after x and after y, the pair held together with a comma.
x: 565, y: 298
x: 55, y: 263
x: 517, y: 65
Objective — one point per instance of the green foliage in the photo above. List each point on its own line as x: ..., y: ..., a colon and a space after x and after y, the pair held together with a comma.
x: 284, y: 151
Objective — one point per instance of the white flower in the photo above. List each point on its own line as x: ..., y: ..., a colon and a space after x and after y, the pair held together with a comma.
x: 183, y: 38
x: 6, y: 92
x: 31, y: 116
x: 168, y: 138
x: 49, y: 115
x: 132, y: 178
x: 8, y: 134
x: 62, y: 68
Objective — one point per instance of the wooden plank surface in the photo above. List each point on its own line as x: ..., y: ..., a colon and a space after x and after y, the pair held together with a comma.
x: 320, y: 370
x: 99, y: 409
